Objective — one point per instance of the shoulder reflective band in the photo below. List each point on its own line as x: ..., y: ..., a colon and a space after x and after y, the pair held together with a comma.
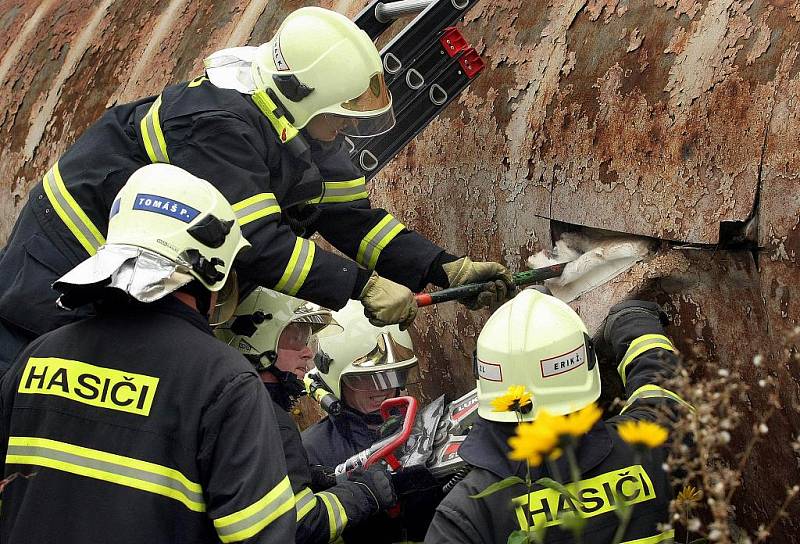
x: 256, y: 207
x: 70, y: 213
x: 153, y: 137
x: 653, y: 392
x: 665, y: 537
x: 640, y: 345
x: 282, y: 126
x: 598, y: 495
x: 304, y: 502
x: 337, y: 518
x: 342, y: 191
x: 250, y: 521
x: 378, y: 238
x: 105, y: 466
x: 196, y: 82
x: 299, y: 265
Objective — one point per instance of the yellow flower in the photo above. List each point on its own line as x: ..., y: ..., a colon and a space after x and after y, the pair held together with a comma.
x: 532, y: 442
x: 689, y: 497
x: 643, y: 433
x: 516, y: 399
x: 581, y: 422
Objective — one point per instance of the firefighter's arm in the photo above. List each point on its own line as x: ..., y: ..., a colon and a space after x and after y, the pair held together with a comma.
x: 378, y: 241
x: 645, y: 357
x: 452, y: 524
x: 226, y: 151
x: 323, y: 516
x: 247, y: 491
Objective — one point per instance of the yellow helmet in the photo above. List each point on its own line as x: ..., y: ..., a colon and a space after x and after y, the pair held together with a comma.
x: 539, y: 342
x: 364, y: 356
x: 260, y: 319
x: 320, y: 63
x: 166, y: 227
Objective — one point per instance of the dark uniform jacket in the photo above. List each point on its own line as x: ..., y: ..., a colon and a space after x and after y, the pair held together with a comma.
x: 139, y: 426
x: 609, y: 466
x: 321, y: 516
x: 335, y: 439
x: 282, y: 192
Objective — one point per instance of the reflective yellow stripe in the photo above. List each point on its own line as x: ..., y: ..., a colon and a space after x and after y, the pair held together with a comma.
x: 70, y: 213
x: 337, y: 518
x: 666, y: 536
x: 196, y: 82
x: 297, y: 270
x: 105, y: 466
x: 597, y: 495
x: 304, y: 502
x: 641, y: 344
x: 654, y: 391
x: 286, y: 131
x: 249, y: 521
x: 256, y: 207
x: 153, y: 137
x: 376, y: 239
x: 342, y: 191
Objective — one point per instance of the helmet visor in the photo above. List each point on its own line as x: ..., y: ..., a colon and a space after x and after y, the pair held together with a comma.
x: 361, y: 127
x: 373, y: 114
x: 375, y: 98
x: 396, y: 378
x: 227, y: 300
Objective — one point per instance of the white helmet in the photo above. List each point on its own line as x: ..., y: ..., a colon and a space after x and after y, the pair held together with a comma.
x: 320, y: 62
x: 365, y: 357
x: 539, y: 342
x: 166, y: 227
x: 261, y: 318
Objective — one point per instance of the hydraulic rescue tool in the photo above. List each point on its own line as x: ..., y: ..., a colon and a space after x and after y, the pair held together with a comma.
x: 461, y: 292
x: 427, y: 64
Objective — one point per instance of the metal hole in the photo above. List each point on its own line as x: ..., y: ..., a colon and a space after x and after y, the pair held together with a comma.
x: 459, y: 4
x: 391, y: 63
x: 437, y: 94
x: 368, y: 161
x: 414, y: 79
x: 351, y: 146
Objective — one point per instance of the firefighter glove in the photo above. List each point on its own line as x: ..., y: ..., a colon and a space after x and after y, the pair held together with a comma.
x: 388, y: 303
x: 465, y: 270
x: 378, y: 485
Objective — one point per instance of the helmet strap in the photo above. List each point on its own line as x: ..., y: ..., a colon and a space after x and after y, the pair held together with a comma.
x: 288, y: 390
x: 202, y: 296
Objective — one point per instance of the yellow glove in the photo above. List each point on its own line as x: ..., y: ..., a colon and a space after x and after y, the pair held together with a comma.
x: 465, y: 270
x: 386, y: 302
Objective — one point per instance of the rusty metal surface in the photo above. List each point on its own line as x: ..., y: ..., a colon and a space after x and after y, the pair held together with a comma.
x: 662, y: 118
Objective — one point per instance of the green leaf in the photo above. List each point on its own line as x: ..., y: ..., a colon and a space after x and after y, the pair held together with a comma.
x: 518, y: 537
x: 498, y: 486
x: 555, y: 486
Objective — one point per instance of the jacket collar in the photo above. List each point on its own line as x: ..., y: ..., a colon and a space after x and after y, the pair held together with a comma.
x: 487, y: 447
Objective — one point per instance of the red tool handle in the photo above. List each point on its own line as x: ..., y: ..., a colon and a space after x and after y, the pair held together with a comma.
x: 387, y: 451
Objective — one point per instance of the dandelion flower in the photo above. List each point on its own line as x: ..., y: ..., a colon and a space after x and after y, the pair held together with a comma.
x: 581, y: 422
x: 532, y: 442
x: 643, y: 433
x: 516, y: 399
x: 689, y: 497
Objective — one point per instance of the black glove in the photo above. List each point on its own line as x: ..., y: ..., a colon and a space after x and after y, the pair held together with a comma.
x: 631, y: 318
x: 418, y: 493
x: 322, y: 478
x: 377, y: 482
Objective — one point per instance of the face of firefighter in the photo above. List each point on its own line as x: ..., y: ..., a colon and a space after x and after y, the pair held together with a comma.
x: 296, y: 349
x: 326, y: 127
x: 366, y: 402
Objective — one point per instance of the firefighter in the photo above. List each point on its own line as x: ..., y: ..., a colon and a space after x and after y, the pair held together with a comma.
x: 278, y: 335
x: 137, y: 425
x: 363, y: 366
x: 539, y: 342
x: 266, y: 126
